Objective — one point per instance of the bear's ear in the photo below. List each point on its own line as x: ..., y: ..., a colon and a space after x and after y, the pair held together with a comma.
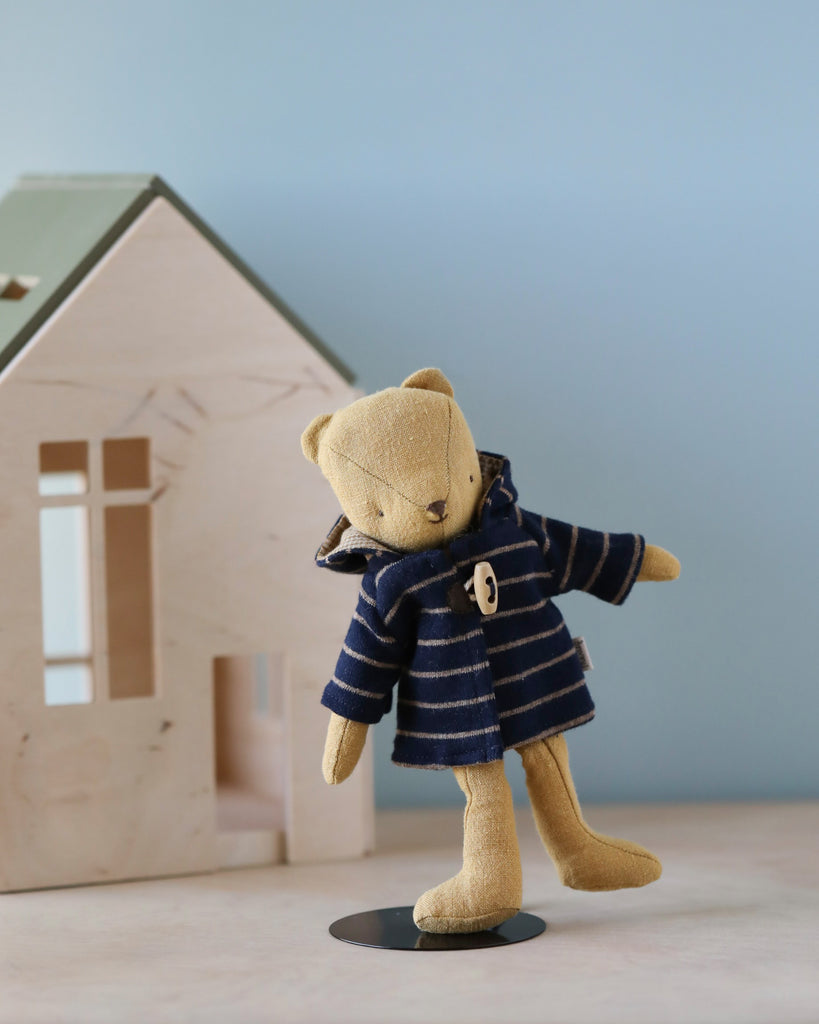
x: 311, y: 437
x: 429, y: 379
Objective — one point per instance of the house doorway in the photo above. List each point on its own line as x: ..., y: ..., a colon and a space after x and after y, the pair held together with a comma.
x: 249, y: 757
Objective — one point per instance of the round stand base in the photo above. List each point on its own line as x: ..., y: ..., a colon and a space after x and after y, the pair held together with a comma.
x: 393, y: 928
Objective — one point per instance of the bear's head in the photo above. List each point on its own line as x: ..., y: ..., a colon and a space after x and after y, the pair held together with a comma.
x: 402, y: 463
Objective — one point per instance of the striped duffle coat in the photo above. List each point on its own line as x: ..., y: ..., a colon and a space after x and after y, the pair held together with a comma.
x: 472, y: 685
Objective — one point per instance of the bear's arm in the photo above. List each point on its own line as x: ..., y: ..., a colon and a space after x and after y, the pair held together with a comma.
x: 658, y: 565
x: 603, y: 564
x: 368, y: 666
x: 342, y: 748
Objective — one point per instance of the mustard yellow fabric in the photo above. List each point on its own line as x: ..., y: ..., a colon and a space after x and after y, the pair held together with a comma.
x: 420, y: 490
x: 658, y: 565
x: 342, y: 748
x: 584, y: 859
x: 488, y: 888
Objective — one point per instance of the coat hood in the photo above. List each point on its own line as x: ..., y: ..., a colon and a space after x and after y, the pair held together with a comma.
x: 348, y: 550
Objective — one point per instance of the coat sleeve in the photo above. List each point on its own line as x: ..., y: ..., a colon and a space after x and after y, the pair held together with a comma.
x: 369, y: 664
x: 603, y: 564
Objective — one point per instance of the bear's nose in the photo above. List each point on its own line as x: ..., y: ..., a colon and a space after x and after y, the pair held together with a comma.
x: 436, y: 511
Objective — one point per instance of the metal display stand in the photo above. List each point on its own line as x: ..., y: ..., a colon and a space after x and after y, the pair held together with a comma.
x: 394, y: 928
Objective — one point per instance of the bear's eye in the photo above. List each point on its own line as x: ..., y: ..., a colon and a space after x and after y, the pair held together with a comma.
x: 471, y: 478
x: 380, y: 512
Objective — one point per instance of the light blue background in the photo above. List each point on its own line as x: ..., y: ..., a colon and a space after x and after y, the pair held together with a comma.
x: 601, y: 219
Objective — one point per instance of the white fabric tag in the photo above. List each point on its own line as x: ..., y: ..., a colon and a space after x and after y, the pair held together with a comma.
x: 582, y: 653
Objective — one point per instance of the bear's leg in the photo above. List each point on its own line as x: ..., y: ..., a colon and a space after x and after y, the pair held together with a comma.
x: 488, y: 889
x: 584, y: 859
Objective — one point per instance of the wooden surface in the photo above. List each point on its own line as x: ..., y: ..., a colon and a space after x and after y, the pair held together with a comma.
x: 730, y: 933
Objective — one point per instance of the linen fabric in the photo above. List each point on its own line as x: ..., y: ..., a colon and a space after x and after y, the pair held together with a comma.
x: 471, y: 685
x: 489, y: 887
x: 584, y: 859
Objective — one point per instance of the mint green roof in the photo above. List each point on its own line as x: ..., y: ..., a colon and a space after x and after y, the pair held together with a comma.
x: 57, y: 228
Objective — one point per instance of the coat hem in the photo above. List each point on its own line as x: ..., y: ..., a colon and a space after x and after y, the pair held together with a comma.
x: 573, y: 724
x: 552, y: 731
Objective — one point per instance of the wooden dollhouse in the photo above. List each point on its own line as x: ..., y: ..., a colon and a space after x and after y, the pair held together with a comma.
x: 164, y: 635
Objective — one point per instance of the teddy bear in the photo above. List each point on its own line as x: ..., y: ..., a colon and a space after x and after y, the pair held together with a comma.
x: 455, y: 607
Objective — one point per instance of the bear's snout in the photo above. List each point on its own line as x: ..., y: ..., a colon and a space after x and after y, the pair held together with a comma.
x: 436, y: 511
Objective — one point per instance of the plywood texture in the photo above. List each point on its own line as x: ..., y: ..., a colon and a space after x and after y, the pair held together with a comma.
x: 166, y: 340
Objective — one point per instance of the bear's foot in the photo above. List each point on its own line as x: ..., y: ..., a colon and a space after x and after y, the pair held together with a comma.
x: 584, y: 859
x: 602, y: 863
x: 464, y: 904
x: 489, y: 887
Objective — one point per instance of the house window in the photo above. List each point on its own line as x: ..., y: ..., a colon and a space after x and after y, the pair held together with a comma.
x: 63, y: 468
x: 125, y: 464
x: 96, y: 566
x: 15, y: 288
x: 66, y: 604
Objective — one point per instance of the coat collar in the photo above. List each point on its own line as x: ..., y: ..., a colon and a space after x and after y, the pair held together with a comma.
x: 500, y: 494
x: 348, y: 550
